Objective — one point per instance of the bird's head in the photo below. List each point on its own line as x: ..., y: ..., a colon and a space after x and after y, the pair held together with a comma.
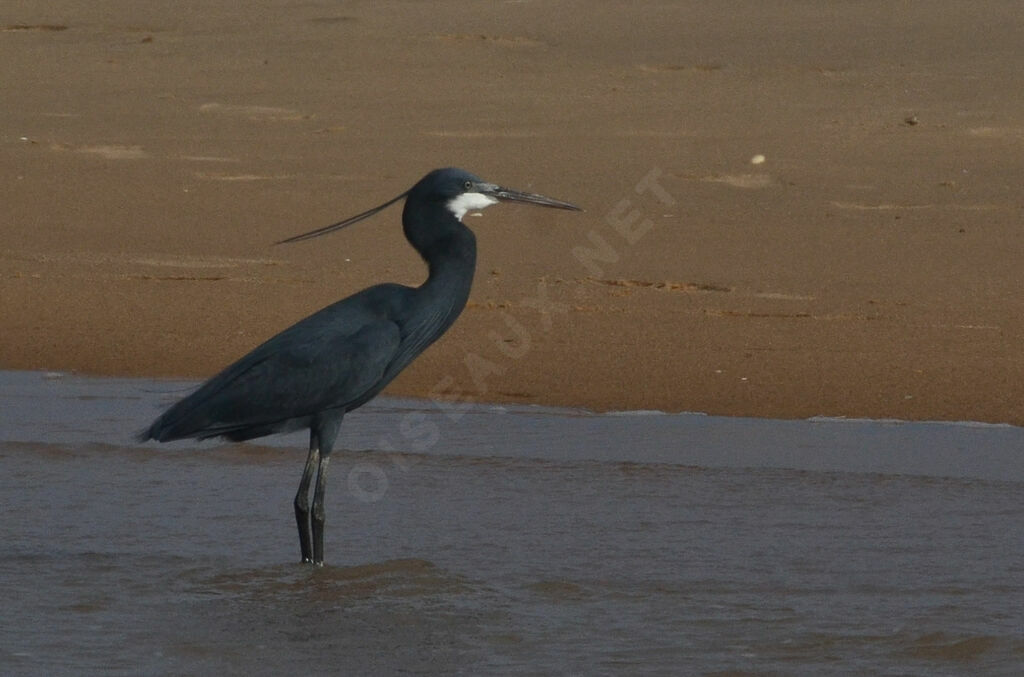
x: 462, y: 192
x: 454, y: 190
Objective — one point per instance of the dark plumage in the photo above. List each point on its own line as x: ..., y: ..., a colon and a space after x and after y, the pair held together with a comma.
x: 313, y: 373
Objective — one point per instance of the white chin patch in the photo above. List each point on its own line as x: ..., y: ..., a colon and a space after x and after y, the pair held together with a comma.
x: 469, y: 202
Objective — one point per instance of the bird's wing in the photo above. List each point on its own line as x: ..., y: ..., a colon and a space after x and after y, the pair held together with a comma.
x: 311, y: 367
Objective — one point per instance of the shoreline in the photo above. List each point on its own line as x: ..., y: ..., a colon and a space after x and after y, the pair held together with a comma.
x: 542, y: 409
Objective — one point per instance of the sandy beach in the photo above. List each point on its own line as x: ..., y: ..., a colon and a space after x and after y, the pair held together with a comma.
x: 792, y: 209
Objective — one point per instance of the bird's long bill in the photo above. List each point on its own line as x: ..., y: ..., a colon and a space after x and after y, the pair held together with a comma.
x: 509, y: 195
x: 341, y: 224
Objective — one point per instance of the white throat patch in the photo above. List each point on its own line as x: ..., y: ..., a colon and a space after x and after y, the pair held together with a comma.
x: 468, y: 202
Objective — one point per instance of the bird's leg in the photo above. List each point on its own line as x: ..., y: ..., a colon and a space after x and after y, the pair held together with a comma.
x: 318, y: 511
x: 302, y: 498
x: 325, y: 431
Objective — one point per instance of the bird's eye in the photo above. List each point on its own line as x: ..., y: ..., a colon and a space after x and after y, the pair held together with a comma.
x: 467, y: 185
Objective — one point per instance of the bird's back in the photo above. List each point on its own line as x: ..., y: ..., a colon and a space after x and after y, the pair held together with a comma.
x: 335, y: 359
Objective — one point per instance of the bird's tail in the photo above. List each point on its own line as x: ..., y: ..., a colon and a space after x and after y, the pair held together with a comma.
x: 160, y: 430
x: 181, y: 421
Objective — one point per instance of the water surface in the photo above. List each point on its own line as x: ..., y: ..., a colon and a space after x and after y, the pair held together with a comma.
x: 498, y: 540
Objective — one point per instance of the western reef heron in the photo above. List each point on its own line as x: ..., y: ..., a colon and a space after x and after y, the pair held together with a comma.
x: 337, y: 359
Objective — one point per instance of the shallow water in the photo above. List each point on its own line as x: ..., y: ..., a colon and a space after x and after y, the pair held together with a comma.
x: 496, y: 540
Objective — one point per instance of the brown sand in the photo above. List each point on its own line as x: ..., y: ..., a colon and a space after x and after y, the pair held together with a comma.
x: 870, y: 266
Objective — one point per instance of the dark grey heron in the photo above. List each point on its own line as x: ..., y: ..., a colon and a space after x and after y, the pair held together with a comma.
x: 337, y: 359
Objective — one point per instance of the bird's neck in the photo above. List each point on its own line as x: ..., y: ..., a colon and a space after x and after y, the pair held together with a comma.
x: 449, y: 249
x: 451, y: 259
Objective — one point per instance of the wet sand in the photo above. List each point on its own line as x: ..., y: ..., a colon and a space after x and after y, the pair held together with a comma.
x: 869, y: 266
x: 515, y: 540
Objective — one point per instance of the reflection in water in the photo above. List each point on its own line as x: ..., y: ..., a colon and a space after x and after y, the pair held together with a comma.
x: 524, y: 541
